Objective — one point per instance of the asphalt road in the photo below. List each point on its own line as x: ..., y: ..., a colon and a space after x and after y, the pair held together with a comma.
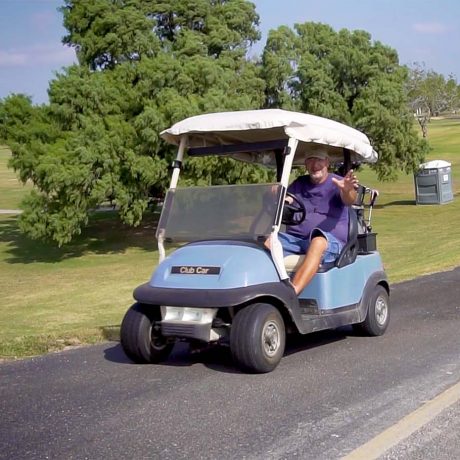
x: 333, y: 392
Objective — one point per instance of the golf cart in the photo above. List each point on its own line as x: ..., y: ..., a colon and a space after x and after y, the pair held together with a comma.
x: 223, y: 285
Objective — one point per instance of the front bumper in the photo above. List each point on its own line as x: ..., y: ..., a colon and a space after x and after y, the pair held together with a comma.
x: 187, y: 330
x: 214, y: 298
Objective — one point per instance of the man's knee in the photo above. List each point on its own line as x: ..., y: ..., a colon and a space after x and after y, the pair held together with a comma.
x: 316, y: 250
x: 319, y: 243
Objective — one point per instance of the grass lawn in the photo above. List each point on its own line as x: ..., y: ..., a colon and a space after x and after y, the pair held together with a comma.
x: 419, y: 239
x: 11, y: 191
x: 78, y: 294
x: 55, y: 297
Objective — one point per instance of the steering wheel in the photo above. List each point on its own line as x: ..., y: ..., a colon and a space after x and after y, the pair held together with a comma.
x: 293, y: 213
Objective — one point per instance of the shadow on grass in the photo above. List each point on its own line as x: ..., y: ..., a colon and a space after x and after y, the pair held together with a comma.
x: 105, y: 234
x: 395, y: 203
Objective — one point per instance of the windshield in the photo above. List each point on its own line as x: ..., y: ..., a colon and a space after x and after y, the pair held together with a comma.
x: 227, y: 211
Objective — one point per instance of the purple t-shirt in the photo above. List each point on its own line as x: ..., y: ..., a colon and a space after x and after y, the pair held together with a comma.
x: 325, y: 208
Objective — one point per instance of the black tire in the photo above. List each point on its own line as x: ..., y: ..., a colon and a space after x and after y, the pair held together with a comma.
x: 258, y: 338
x: 141, y: 337
x: 378, y: 313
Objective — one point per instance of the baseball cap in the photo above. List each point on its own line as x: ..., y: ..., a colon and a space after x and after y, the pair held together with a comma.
x: 319, y: 153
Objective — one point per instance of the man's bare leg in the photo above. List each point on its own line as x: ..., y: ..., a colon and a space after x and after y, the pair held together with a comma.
x: 310, y: 265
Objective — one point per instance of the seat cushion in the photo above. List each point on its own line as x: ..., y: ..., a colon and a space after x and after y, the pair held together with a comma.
x: 293, y: 262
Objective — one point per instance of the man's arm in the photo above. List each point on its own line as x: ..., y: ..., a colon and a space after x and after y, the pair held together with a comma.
x: 347, y: 187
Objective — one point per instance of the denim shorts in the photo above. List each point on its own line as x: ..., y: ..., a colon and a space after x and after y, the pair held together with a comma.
x: 296, y: 245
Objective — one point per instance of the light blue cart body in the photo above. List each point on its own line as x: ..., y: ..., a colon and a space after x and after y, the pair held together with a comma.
x: 246, y: 273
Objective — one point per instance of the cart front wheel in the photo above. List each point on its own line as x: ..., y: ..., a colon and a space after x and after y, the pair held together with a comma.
x: 141, y: 336
x: 378, y: 313
x: 257, y: 338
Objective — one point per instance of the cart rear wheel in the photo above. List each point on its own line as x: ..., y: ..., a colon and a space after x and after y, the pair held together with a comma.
x: 378, y: 313
x: 141, y: 336
x: 257, y: 338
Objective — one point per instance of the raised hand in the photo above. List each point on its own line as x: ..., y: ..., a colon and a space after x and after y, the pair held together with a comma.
x: 347, y: 186
x: 348, y: 183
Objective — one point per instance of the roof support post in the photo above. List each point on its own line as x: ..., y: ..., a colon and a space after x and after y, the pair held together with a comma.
x: 346, y: 160
x: 173, y: 184
x: 275, y: 245
x: 178, y: 162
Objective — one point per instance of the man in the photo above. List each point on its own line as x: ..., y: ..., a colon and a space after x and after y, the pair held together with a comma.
x: 324, y: 231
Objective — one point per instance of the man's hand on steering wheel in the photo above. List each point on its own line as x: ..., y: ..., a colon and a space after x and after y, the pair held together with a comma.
x: 294, y: 211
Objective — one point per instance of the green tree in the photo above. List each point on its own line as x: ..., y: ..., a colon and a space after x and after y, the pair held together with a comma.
x: 17, y: 114
x: 345, y: 76
x: 143, y: 65
x: 430, y: 94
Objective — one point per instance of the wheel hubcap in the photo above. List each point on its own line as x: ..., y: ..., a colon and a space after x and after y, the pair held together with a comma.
x: 271, y: 338
x: 381, y: 311
x: 156, y: 339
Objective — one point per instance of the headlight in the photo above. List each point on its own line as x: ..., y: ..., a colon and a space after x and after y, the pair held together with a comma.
x: 173, y: 313
x: 195, y: 315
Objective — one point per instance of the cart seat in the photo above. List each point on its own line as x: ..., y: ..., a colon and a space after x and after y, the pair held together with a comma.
x: 347, y: 255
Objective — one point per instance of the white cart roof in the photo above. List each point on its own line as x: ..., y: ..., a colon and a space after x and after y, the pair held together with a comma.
x: 250, y: 126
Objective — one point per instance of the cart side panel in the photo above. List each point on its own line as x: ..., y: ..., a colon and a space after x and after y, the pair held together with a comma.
x: 339, y: 287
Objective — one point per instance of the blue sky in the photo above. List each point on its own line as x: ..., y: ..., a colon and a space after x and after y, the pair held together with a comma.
x: 425, y: 31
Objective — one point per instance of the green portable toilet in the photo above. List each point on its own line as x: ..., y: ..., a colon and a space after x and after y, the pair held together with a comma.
x: 433, y: 183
